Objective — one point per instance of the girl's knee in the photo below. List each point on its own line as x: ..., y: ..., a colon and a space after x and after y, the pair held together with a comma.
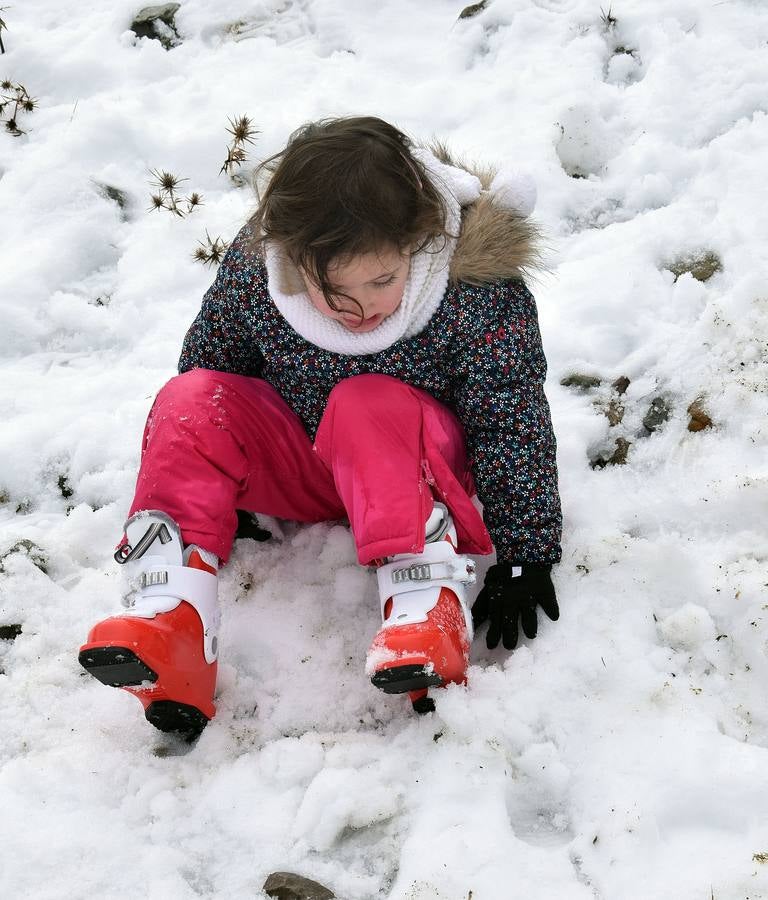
x: 370, y: 392
x: 203, y: 387
x: 194, y: 384
x: 196, y: 398
x: 221, y: 398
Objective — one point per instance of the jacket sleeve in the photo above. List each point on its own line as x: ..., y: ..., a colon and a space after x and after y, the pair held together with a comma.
x: 221, y: 338
x: 500, y: 369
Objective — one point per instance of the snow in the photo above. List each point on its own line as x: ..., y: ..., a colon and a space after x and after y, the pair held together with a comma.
x: 622, y: 754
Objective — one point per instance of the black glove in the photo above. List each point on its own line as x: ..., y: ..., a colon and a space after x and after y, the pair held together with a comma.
x: 248, y: 527
x: 505, y: 598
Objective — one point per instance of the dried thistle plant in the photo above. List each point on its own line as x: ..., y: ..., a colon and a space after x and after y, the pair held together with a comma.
x: 3, y: 27
x: 211, y: 252
x: 14, y: 98
x: 167, y: 196
x: 608, y: 19
x: 242, y: 132
x: 166, y: 181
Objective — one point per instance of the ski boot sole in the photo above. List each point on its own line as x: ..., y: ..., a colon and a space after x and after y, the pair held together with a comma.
x: 116, y: 666
x: 402, y: 679
x: 120, y: 667
x: 423, y: 705
x: 180, y: 718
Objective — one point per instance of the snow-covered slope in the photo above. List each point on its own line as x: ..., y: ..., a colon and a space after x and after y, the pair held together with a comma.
x: 623, y: 754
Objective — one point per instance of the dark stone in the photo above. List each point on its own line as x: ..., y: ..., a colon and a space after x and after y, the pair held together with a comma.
x: 287, y: 886
x: 475, y: 9
x: 164, y: 13
x: 27, y: 548
x: 585, y: 382
x: 615, y: 412
x: 702, y: 266
x: 9, y: 632
x: 699, y: 416
x: 110, y: 192
x: 66, y: 490
x: 115, y: 195
x: 621, y: 384
x: 617, y: 458
x: 158, y: 24
x: 657, y: 414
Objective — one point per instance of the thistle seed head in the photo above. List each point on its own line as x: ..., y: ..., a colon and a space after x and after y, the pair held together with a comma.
x: 242, y: 130
x: 165, y: 180
x: 608, y: 19
x: 235, y: 157
x: 211, y: 252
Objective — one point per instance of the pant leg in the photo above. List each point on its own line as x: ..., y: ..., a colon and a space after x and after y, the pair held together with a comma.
x: 390, y: 447
x: 215, y: 443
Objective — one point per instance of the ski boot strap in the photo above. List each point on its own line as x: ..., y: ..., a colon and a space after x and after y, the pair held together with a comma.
x: 155, y: 548
x: 163, y: 587
x: 413, y: 583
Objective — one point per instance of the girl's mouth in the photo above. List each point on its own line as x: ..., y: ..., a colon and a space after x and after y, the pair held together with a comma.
x: 362, y: 324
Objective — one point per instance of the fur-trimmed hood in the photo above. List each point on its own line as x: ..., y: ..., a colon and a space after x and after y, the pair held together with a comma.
x: 497, y: 239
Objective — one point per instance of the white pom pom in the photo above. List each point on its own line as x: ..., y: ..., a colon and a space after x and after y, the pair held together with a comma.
x: 464, y: 186
x: 515, y: 191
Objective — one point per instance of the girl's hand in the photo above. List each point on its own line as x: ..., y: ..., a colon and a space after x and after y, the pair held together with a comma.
x: 513, y: 592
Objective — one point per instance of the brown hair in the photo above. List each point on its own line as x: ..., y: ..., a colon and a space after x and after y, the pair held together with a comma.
x: 343, y: 187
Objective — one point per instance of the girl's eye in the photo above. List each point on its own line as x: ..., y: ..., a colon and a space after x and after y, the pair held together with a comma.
x: 381, y: 284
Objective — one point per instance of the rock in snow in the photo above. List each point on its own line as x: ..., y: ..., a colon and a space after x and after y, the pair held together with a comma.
x: 287, y: 886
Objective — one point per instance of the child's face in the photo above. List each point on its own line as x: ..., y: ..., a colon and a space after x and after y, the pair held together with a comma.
x: 375, y: 280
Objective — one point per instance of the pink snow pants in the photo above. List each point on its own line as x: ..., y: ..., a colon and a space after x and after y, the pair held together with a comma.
x: 215, y: 443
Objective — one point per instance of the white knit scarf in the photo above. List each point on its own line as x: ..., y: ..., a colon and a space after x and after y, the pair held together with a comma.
x: 424, y: 288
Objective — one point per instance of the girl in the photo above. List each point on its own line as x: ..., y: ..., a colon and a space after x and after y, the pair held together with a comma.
x: 368, y: 351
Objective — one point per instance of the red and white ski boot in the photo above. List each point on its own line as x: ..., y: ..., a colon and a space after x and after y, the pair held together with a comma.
x: 163, y: 648
x: 427, y: 626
